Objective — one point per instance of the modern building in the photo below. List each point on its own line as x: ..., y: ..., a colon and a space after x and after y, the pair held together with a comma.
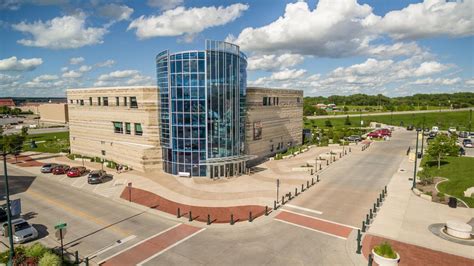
x: 118, y: 124
x: 55, y: 113
x: 201, y: 120
x: 202, y: 110
x: 274, y: 121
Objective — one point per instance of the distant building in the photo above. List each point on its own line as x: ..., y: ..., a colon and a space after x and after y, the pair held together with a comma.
x: 53, y: 113
x: 321, y: 106
x: 7, y: 102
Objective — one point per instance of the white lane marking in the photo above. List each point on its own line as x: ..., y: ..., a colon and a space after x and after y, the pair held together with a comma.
x: 170, y: 247
x: 115, y: 244
x: 321, y: 219
x: 140, y: 242
x: 312, y: 229
x: 303, y: 209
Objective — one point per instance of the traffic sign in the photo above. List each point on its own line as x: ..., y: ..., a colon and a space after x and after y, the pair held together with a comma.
x: 60, y: 225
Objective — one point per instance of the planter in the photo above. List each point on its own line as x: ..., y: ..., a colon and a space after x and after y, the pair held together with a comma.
x: 382, y: 261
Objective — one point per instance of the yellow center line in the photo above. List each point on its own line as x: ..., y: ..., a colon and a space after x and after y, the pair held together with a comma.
x: 79, y: 213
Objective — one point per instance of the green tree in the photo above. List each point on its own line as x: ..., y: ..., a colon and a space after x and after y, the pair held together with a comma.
x: 309, y: 109
x: 321, y: 112
x: 443, y: 145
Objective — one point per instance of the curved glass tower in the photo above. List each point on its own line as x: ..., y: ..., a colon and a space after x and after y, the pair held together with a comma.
x: 202, y: 110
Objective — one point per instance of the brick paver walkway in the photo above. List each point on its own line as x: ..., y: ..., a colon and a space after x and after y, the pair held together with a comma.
x: 199, y: 213
x: 23, y: 161
x: 415, y: 255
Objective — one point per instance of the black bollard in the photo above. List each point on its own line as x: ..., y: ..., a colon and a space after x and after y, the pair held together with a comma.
x: 385, y: 190
x: 266, y: 210
x: 307, y: 184
x: 378, y: 203
x: 317, y: 178
x: 312, y: 181
x: 350, y: 149
x: 274, y: 205
x: 282, y: 200
x: 289, y: 196
x: 190, y: 216
x: 296, y: 191
x: 208, y: 219
x: 320, y: 167
x: 340, y: 155
x: 359, y: 238
x: 371, y: 215
x: 371, y: 259
x: 76, y: 257
x: 363, y: 227
x: 375, y: 208
x: 179, y: 213
x: 327, y: 162
x: 250, y: 217
x: 312, y: 172
x: 302, y: 187
x: 231, y: 219
x: 367, y: 221
x: 383, y: 194
x: 86, y: 261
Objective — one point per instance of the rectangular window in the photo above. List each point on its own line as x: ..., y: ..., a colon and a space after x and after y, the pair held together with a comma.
x: 265, y: 101
x: 82, y: 102
x: 98, y: 101
x: 133, y: 102
x: 118, y: 127
x: 125, y: 101
x: 106, y: 101
x: 257, y: 130
x: 90, y: 101
x: 128, y: 129
x: 298, y: 99
x: 117, y: 101
x: 71, y: 101
x: 77, y: 101
x: 138, y: 129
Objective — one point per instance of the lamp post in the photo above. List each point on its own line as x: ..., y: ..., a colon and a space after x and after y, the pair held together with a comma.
x: 9, y: 213
x: 422, y: 136
x: 416, y: 158
x: 360, y: 123
x: 470, y: 120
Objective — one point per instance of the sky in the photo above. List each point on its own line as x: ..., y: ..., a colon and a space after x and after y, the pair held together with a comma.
x: 326, y: 47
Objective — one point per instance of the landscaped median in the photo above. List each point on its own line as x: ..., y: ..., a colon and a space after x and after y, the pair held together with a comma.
x: 229, y: 214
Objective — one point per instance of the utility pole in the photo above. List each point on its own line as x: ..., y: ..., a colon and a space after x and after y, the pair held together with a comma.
x: 422, y: 136
x: 416, y: 159
x: 470, y: 120
x: 9, y: 213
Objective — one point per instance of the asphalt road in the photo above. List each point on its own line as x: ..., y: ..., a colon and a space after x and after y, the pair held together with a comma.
x: 387, y: 113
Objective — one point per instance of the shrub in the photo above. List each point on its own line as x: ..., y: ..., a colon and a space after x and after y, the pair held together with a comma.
x: 71, y: 156
x: 426, y: 176
x: 36, y: 250
x: 49, y: 259
x: 385, y: 250
x: 429, y: 193
x: 328, y: 123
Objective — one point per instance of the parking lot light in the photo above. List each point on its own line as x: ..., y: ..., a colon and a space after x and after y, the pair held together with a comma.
x: 416, y: 158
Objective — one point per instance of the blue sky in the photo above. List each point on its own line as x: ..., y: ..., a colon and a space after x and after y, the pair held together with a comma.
x: 325, y: 47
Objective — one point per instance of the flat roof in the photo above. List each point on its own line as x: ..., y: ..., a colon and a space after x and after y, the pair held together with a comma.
x: 114, y: 88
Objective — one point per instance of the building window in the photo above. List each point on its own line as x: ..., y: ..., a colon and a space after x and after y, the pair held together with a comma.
x: 128, y: 129
x: 103, y: 152
x: 265, y: 101
x: 106, y: 101
x: 133, y: 102
x: 117, y: 101
x: 138, y: 129
x: 70, y: 101
x: 272, y: 148
x: 82, y: 102
x: 98, y: 101
x: 90, y: 101
x: 298, y: 99
x: 124, y: 101
x: 118, y: 127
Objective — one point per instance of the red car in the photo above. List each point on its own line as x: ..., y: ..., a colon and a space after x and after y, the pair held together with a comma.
x: 385, y: 132
x: 60, y: 169
x: 375, y: 134
x: 76, y: 171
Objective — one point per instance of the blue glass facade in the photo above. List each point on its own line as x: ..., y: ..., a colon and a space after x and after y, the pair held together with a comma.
x: 202, y: 104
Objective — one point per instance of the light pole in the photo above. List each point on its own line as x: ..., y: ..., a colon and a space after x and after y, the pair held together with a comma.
x: 391, y: 117
x: 9, y: 213
x: 360, y: 123
x: 416, y: 158
x: 470, y: 120
x: 422, y: 136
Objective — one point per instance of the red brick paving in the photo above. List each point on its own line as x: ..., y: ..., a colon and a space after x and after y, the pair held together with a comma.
x: 415, y: 255
x: 152, y: 246
x: 199, y: 213
x: 23, y: 161
x: 315, y: 223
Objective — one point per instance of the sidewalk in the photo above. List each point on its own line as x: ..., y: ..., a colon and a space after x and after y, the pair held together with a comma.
x: 405, y: 217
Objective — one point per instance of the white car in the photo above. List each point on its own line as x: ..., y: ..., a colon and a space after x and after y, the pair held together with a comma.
x: 452, y: 130
x: 435, y: 129
x: 22, y: 231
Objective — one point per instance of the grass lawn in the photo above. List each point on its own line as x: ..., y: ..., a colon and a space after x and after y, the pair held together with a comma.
x: 48, y: 142
x: 460, y: 172
x: 444, y: 120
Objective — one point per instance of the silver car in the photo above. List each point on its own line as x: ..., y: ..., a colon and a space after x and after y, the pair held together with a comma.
x: 48, y: 168
x: 22, y: 231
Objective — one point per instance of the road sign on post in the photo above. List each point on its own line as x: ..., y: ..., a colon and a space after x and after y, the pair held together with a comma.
x: 60, y: 233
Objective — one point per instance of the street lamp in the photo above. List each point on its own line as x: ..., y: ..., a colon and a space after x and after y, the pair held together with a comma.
x: 422, y: 136
x: 9, y: 213
x: 416, y: 158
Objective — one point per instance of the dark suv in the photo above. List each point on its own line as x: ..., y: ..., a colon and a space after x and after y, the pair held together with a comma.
x: 97, y: 177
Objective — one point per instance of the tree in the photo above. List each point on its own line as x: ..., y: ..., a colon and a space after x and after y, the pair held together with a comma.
x: 441, y: 146
x: 426, y: 176
x: 348, y: 121
x: 308, y: 109
x: 328, y: 123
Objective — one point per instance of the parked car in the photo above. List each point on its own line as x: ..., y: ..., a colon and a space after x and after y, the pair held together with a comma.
x: 463, y: 134
x: 467, y: 143
x: 375, y: 134
x: 385, y: 132
x: 3, y: 215
x: 48, y: 168
x: 76, y: 171
x: 410, y: 127
x: 426, y: 131
x: 22, y: 231
x: 60, y: 169
x: 353, y: 138
x: 452, y: 130
x: 97, y: 176
x: 435, y: 129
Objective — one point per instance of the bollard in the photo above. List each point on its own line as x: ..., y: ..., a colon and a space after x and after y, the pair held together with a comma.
x: 274, y: 205
x: 317, y: 178
x: 76, y: 256
x: 266, y: 210
x: 312, y: 172
x: 363, y: 227
x: 359, y: 238
x: 385, y: 190
x: 340, y: 155
x: 179, y: 213
x: 378, y: 203
x: 231, y: 219
x: 383, y: 194
x: 296, y: 191
x: 345, y: 152
x: 302, y: 187
x: 208, y: 219
x: 320, y: 167
x: 190, y: 216
x: 367, y: 221
x: 289, y: 196
x: 350, y: 149
x: 375, y: 208
x: 282, y: 200
x: 371, y: 259
x: 307, y: 184
x: 312, y: 181
x: 380, y: 198
x: 371, y: 215
x: 86, y: 261
x: 327, y: 162
x: 250, y: 217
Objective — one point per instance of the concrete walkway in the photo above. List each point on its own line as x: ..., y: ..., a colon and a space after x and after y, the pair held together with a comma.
x: 405, y: 217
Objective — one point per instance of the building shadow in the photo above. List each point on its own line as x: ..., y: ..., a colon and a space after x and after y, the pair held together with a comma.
x: 17, y: 184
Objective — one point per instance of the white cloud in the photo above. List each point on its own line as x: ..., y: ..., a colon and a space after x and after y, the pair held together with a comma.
x: 469, y: 82
x: 115, y: 11
x: 181, y: 21
x: 64, y: 69
x: 273, y: 62
x: 123, y: 77
x: 107, y: 63
x: 428, y: 68
x: 16, y: 4
x: 437, y: 81
x: 165, y: 4
x: 429, y: 19
x: 287, y: 74
x: 8, y: 79
x: 46, y: 77
x: 85, y: 68
x: 13, y: 64
x: 76, y: 60
x: 72, y: 74
x: 61, y: 33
